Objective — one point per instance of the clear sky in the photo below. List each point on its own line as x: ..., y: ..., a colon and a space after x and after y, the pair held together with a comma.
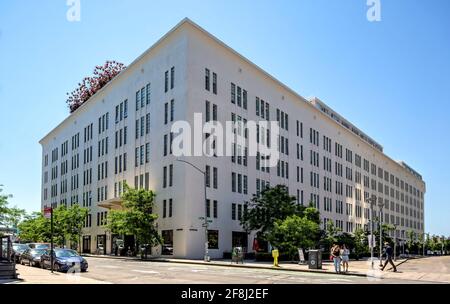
x: 390, y: 78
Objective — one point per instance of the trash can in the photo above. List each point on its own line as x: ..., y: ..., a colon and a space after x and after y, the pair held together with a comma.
x: 315, y: 259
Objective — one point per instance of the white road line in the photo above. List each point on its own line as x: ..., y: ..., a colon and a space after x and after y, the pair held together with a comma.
x: 145, y: 271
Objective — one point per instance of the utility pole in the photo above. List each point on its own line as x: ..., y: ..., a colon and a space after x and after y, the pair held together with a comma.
x: 205, y: 218
x: 380, y: 220
x: 395, y: 243
x: 51, y: 239
x: 371, y: 201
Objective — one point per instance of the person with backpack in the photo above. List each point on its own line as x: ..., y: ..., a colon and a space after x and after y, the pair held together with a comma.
x: 335, y: 254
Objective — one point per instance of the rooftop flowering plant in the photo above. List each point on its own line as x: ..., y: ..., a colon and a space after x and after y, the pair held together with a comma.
x: 91, y: 85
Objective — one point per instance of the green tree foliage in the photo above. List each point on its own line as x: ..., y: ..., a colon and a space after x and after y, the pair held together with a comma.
x: 34, y: 228
x: 330, y: 235
x: 67, y: 225
x: 9, y: 216
x: 360, y: 244
x: 136, y: 218
x: 292, y: 233
x: 272, y: 205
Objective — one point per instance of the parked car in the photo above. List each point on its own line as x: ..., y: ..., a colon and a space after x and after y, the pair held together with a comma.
x: 18, y: 249
x: 64, y: 260
x: 39, y: 245
x: 32, y: 256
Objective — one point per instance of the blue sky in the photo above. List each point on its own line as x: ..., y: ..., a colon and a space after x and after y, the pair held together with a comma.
x: 390, y: 78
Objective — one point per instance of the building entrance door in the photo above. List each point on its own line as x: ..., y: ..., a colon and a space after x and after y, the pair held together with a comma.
x: 86, y: 244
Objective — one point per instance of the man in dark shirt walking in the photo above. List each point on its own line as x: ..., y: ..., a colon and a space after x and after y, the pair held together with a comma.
x: 389, y: 254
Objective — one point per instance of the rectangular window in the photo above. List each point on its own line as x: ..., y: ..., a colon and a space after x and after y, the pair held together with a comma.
x: 215, y: 182
x: 207, y: 81
x: 215, y: 209
x: 148, y: 90
x: 172, y: 109
x: 164, y: 177
x: 214, y: 83
x: 233, y: 93
x: 166, y: 113
x: 166, y: 81
x: 233, y: 182
x: 208, y: 176
x: 172, y: 77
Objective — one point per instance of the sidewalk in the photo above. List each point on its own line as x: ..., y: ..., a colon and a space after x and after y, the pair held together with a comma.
x: 36, y: 275
x: 360, y: 268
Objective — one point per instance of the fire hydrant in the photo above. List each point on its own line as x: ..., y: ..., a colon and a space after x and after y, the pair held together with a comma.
x: 275, y: 254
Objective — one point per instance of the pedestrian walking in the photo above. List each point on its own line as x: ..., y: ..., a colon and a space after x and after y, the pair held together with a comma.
x: 335, y: 253
x: 345, y: 252
x: 389, y: 254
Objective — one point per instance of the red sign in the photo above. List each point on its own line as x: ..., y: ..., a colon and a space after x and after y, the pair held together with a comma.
x: 47, y: 212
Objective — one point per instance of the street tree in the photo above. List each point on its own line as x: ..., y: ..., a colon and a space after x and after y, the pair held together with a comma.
x: 273, y: 204
x: 136, y: 218
x: 292, y: 233
x: 361, y: 244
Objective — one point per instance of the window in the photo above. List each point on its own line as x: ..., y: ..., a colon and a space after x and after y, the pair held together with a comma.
x: 215, y: 209
x: 164, y: 177
x: 207, y: 82
x: 208, y: 176
x: 166, y: 113
x: 233, y: 93
x: 214, y: 83
x: 170, y: 175
x: 172, y: 109
x: 172, y: 77
x: 166, y: 81
x: 215, y: 178
x: 233, y: 182
x: 148, y: 94
x: 147, y: 123
x: 213, y: 239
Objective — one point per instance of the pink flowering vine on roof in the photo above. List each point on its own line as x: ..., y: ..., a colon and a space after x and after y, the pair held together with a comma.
x: 91, y: 85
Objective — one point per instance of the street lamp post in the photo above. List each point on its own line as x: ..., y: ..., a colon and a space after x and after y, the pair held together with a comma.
x: 395, y: 243
x: 205, y: 224
x: 380, y: 220
x: 371, y: 201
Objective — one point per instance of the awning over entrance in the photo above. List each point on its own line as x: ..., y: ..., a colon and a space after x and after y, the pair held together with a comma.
x: 113, y: 203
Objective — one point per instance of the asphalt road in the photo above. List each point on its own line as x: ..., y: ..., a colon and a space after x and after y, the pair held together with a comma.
x: 139, y: 272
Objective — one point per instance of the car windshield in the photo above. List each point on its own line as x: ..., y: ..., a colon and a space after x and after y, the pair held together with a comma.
x: 20, y: 247
x: 65, y: 253
x: 41, y: 246
x: 37, y: 251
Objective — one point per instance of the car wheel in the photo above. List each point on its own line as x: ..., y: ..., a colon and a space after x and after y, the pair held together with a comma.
x: 56, y: 267
x: 42, y: 265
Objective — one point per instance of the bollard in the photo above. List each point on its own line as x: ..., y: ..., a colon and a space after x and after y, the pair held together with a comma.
x: 275, y: 254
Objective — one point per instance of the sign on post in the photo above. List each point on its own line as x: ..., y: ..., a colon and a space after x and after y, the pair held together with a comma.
x: 47, y: 212
x: 301, y: 256
x: 371, y: 241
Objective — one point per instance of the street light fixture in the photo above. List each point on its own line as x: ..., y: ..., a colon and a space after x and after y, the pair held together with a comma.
x: 205, y: 218
x: 372, y: 201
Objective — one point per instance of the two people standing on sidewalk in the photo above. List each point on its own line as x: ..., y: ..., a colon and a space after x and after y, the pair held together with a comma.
x: 340, y: 254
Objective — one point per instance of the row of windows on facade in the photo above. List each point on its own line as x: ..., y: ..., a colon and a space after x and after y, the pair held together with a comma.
x: 282, y: 170
x: 103, y: 149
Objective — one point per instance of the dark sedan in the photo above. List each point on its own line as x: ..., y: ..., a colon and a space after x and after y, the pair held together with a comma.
x: 32, y: 256
x: 64, y: 260
x: 18, y: 250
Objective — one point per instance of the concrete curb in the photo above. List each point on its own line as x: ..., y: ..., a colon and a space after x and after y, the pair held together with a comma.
x: 218, y: 264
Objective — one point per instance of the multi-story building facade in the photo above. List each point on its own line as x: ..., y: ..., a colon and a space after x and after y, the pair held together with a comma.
x: 123, y: 134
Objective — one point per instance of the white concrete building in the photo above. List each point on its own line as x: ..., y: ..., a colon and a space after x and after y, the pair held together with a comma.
x: 122, y: 133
